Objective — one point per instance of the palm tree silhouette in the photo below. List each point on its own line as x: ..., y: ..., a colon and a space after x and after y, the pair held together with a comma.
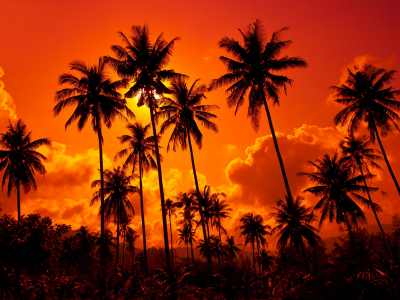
x: 254, y: 231
x: 182, y: 112
x: 117, y: 188
x: 358, y: 153
x: 171, y: 208
x: 285, y: 229
x: 335, y: 184
x: 131, y: 236
x: 140, y: 154
x: 107, y: 244
x: 85, y: 241
x: 265, y: 260
x: 186, y: 234
x: 231, y: 248
x: 125, y: 222
x: 145, y: 63
x: 20, y: 160
x: 369, y: 99
x: 251, y: 73
x: 96, y: 97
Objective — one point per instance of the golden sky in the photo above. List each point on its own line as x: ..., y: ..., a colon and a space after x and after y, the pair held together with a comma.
x: 38, y: 39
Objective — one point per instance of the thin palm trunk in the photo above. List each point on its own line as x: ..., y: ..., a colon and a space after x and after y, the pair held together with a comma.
x: 164, y: 215
x: 117, y: 256
x: 258, y: 257
x: 220, y: 242
x: 18, y: 200
x: 290, y: 199
x: 142, y: 212
x: 123, y: 249
x: 254, y: 260
x: 350, y: 231
x: 102, y: 253
x: 376, y: 216
x: 170, y: 230
x: 187, y: 250
x: 200, y: 204
x: 208, y: 229
x: 386, y: 160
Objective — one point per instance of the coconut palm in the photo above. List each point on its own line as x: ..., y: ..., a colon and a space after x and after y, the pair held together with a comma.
x: 140, y: 152
x: 131, y: 237
x: 369, y: 99
x: 143, y: 62
x: 85, y: 241
x: 265, y: 260
x: 125, y: 222
x: 108, y: 244
x: 251, y: 74
x: 171, y: 208
x: 117, y: 188
x: 188, y: 219
x: 358, y: 153
x: 254, y: 232
x: 97, y: 98
x: 20, y: 160
x: 335, y: 184
x: 231, y: 248
x: 182, y: 111
x: 285, y: 230
x: 186, y: 235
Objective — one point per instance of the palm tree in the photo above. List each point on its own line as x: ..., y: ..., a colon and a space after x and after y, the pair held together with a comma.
x: 231, y: 248
x: 358, y: 153
x: 369, y: 99
x: 265, y: 260
x: 131, y: 237
x: 140, y: 154
x: 182, y: 112
x: 285, y: 229
x: 254, y: 231
x: 125, y: 222
x: 186, y: 235
x: 20, y: 160
x: 171, y: 208
x: 335, y: 184
x: 251, y: 72
x: 107, y: 244
x: 117, y: 188
x: 145, y: 63
x: 96, y: 97
x: 85, y: 241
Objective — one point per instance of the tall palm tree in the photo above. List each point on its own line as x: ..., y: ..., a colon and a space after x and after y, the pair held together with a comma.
x: 182, y: 111
x: 171, y: 208
x: 335, y: 184
x: 20, y: 160
x: 285, y: 230
x: 369, y: 99
x: 358, y: 153
x: 186, y: 234
x: 251, y: 73
x: 125, y: 222
x: 254, y: 231
x: 117, y: 204
x: 131, y: 237
x: 140, y: 152
x: 144, y: 63
x: 96, y: 97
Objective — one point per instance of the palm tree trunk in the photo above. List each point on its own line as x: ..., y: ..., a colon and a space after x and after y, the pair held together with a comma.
x: 220, y: 242
x: 208, y: 229
x: 258, y: 257
x: 290, y: 202
x: 143, y: 222
x: 172, y: 253
x: 254, y: 260
x: 102, y: 253
x: 200, y: 204
x: 18, y: 200
x: 386, y: 159
x: 123, y: 250
x: 350, y: 231
x: 190, y: 239
x: 117, y: 256
x: 164, y: 215
x: 376, y: 216
x: 187, y: 250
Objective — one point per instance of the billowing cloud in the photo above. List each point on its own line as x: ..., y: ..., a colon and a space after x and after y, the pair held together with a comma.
x: 7, y: 105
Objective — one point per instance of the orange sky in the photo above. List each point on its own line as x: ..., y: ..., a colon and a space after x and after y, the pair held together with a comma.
x: 40, y: 38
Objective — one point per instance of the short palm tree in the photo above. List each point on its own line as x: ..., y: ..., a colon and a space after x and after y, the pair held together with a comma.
x: 20, y: 160
x: 117, y: 188
x: 172, y: 208
x: 182, y: 111
x: 131, y: 237
x: 254, y: 231
x: 188, y: 220
x: 144, y: 63
x: 219, y: 211
x: 358, y: 153
x: 97, y: 98
x: 108, y: 244
x: 231, y: 248
x: 140, y: 152
x: 186, y: 235
x: 252, y: 74
x: 369, y: 99
x: 285, y: 229
x: 125, y: 222
x: 85, y: 241
x: 265, y: 260
x: 335, y: 184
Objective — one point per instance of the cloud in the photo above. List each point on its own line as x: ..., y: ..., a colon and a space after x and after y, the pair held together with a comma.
x: 7, y: 105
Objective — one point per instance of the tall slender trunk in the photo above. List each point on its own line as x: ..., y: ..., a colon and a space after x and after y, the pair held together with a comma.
x: 258, y: 257
x: 220, y: 242
x: 17, y: 268
x: 102, y: 252
x: 187, y: 250
x: 164, y: 215
x: 123, y: 250
x: 208, y: 229
x: 170, y: 229
x: 386, y: 159
x: 18, y: 200
x: 289, y: 194
x: 199, y: 200
x: 190, y: 239
x: 118, y: 212
x: 351, y: 236
x: 376, y: 216
x: 254, y: 260
x: 142, y: 212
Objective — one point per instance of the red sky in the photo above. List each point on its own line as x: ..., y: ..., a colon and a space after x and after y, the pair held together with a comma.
x: 40, y: 38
